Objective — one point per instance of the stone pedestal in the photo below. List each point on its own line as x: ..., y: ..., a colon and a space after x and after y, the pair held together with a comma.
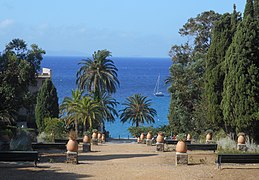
x: 160, y: 146
x: 181, y: 159
x: 241, y: 147
x: 149, y: 142
x: 72, y: 157
x: 94, y: 141
x: 86, y: 147
x: 209, y: 142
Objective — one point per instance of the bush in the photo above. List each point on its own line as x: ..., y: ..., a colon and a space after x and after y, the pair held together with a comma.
x: 55, y: 127
x: 136, y: 131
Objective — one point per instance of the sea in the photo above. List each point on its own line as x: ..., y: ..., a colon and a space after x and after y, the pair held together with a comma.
x: 136, y: 75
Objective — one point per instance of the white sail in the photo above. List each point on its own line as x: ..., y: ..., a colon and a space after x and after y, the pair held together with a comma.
x: 156, y: 90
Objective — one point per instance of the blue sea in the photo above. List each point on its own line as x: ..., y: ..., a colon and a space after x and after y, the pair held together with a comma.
x: 136, y: 75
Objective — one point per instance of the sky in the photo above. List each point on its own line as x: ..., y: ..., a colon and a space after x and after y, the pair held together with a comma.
x: 127, y: 28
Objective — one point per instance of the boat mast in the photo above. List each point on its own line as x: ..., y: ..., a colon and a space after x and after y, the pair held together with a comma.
x: 158, y: 80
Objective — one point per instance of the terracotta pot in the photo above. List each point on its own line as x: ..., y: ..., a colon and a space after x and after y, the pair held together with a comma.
x: 86, y: 139
x: 99, y: 135
x: 103, y: 137
x: 142, y: 136
x: 160, y: 138
x: 189, y: 137
x: 241, y: 139
x: 149, y: 135
x: 181, y: 147
x: 72, y: 145
x: 138, y: 140
x: 94, y: 135
x: 209, y: 136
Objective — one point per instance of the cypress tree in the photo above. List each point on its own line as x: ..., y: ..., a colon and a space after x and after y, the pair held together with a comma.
x: 47, y: 103
x: 221, y: 40
x: 256, y: 9
x: 249, y: 9
x: 241, y: 90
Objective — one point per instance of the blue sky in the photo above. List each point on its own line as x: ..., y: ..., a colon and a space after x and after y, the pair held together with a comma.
x: 143, y: 28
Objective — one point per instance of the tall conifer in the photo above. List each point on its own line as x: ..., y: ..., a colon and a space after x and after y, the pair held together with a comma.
x: 249, y: 9
x: 47, y: 103
x: 256, y: 9
x: 241, y: 90
x: 222, y: 38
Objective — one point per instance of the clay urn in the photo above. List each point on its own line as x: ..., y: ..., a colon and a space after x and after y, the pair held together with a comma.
x: 138, y: 140
x: 160, y: 137
x: 94, y: 135
x: 86, y: 139
x: 142, y: 136
x: 103, y: 137
x: 100, y: 135
x: 209, y: 135
x: 241, y: 138
x: 181, y: 147
x: 149, y: 135
x: 72, y: 144
x: 189, y: 137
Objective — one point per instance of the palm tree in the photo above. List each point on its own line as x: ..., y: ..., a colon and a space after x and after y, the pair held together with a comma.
x: 69, y: 108
x: 108, y: 105
x: 138, y: 110
x: 98, y: 74
x: 88, y: 111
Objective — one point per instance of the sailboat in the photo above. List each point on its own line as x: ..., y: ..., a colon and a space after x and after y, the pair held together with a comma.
x: 156, y: 90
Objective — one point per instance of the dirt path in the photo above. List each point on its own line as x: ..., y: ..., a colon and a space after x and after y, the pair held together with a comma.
x: 127, y: 161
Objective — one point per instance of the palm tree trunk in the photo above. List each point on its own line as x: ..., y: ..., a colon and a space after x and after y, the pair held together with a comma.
x: 76, y: 127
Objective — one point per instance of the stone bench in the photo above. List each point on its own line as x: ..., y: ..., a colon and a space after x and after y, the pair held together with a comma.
x: 61, y: 146
x: 237, y: 158
x: 174, y: 142
x: 14, y: 156
x: 202, y: 147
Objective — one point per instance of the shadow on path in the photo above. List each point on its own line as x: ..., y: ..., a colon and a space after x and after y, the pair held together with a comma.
x: 10, y: 171
x: 111, y: 156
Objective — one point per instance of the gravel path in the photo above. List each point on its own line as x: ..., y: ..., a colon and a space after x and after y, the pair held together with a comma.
x: 126, y: 161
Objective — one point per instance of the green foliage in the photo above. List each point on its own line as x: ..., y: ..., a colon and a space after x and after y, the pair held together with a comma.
x: 94, y: 130
x: 241, y: 90
x: 47, y: 103
x: 88, y: 111
x: 181, y: 137
x: 55, y: 127
x: 137, y: 110
x: 99, y: 77
x: 87, y: 133
x: 200, y: 28
x: 136, y: 131
x: 186, y: 74
x: 249, y: 9
x: 98, y: 74
x: 81, y: 109
x: 18, y: 66
x: 69, y: 106
x: 215, y: 72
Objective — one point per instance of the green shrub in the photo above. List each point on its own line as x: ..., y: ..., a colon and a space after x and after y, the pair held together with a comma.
x: 55, y: 127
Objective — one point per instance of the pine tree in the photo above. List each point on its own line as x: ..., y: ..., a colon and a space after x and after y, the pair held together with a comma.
x: 47, y: 103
